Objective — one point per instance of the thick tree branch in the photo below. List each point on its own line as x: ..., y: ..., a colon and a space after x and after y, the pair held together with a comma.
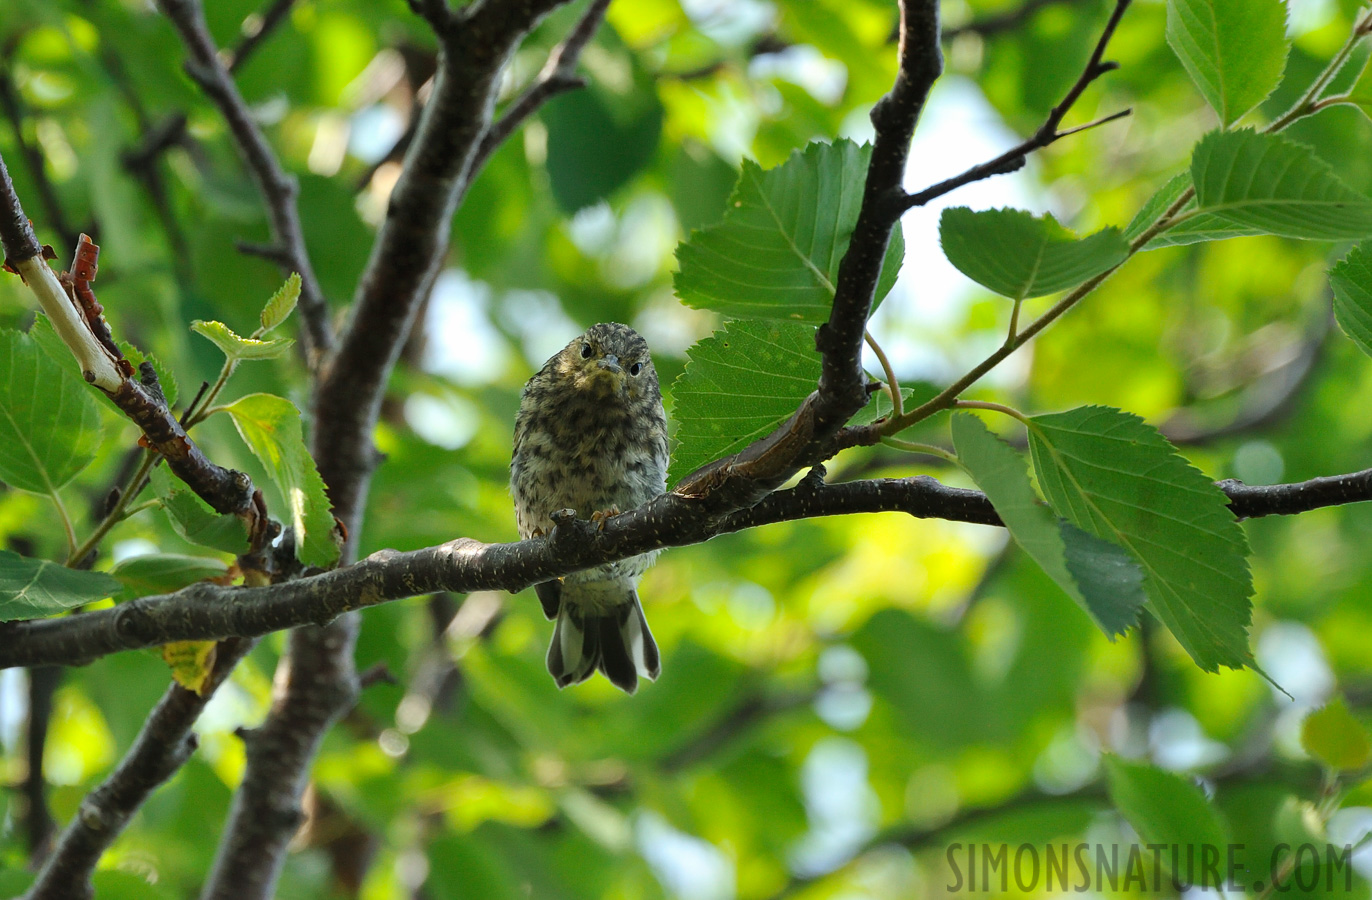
x: 406, y: 256
x: 279, y: 190
x: 266, y: 809
x: 412, y: 243
x: 209, y: 612
x: 162, y: 746
x: 36, y: 816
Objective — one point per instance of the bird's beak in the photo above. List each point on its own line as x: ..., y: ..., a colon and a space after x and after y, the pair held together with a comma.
x: 609, y: 363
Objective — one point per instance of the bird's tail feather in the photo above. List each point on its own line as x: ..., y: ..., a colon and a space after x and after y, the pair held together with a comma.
x: 618, y: 644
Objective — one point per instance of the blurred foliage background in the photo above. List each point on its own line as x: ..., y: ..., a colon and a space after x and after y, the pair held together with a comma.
x: 840, y: 699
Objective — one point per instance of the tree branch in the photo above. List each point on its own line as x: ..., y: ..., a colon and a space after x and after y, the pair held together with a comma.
x: 1013, y: 159
x: 319, y: 684
x: 209, y: 612
x: 406, y: 256
x: 278, y: 189
x: 266, y: 23
x: 558, y: 76
x: 37, y: 818
x: 740, y: 481
x: 412, y: 243
x: 162, y: 746
x: 80, y: 327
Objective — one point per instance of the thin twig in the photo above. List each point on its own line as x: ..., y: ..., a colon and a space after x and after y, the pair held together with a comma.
x: 278, y: 189
x: 1014, y: 159
x: 557, y: 76
x: 266, y: 23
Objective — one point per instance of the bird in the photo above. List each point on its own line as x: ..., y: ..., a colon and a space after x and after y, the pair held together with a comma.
x: 591, y: 436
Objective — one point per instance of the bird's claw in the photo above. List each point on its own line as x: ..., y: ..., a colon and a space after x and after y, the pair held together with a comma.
x: 601, y: 516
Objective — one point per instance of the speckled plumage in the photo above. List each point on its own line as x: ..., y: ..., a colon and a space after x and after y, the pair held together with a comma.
x: 591, y: 436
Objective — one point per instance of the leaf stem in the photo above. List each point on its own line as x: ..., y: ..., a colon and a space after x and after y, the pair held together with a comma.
x: 131, y: 489
x: 200, y: 411
x: 892, y: 384
x: 915, y: 447
x: 1014, y: 320
x: 993, y: 407
x: 66, y: 525
x: 1307, y: 104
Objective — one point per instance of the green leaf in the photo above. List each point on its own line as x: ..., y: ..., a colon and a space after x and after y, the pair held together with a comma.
x: 161, y: 573
x: 1019, y: 255
x: 1117, y: 478
x: 777, y: 252
x: 1351, y: 279
x: 601, y: 136
x: 1335, y: 738
x: 1194, y: 229
x: 281, y: 304
x: 194, y: 519
x: 30, y: 588
x: 270, y: 426
x: 240, y: 348
x: 49, y: 422
x: 740, y: 384
x: 1102, y: 579
x: 1234, y: 50
x: 1267, y: 182
x: 164, y: 375
x: 1165, y: 808
x: 1360, y: 95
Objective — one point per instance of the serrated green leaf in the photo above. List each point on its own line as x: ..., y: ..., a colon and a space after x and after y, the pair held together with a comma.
x: 740, y: 384
x: 1267, y: 182
x: 1351, y: 279
x: 1103, y: 580
x: 1234, y: 50
x: 160, y: 573
x: 270, y: 426
x: 236, y: 347
x: 879, y: 405
x: 194, y: 519
x: 281, y: 304
x: 1360, y: 95
x: 31, y: 588
x: 165, y: 377
x: 49, y: 422
x: 1335, y: 738
x: 1115, y: 477
x: 1020, y: 255
x: 1194, y: 229
x: 785, y: 230
x: 1165, y: 808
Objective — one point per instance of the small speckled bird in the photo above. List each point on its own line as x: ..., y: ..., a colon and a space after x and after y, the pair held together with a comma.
x: 591, y: 436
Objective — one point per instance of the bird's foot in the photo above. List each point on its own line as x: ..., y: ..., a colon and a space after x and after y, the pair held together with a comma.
x: 601, y: 516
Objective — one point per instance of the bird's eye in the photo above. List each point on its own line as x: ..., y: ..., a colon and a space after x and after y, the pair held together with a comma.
x: 636, y: 368
x: 585, y: 351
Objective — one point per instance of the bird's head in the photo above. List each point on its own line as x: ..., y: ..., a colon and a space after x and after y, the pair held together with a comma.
x: 609, y: 359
